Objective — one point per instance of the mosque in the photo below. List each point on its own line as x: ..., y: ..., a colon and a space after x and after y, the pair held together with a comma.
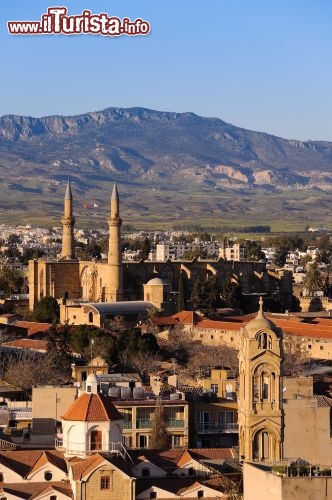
x: 116, y: 285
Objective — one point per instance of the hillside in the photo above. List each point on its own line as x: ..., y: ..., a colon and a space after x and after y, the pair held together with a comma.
x: 174, y: 166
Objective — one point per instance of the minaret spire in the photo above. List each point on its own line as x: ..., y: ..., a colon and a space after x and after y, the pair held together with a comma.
x: 68, y: 221
x: 114, y: 249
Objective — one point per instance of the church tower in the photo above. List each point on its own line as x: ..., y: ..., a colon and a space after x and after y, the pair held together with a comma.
x: 114, y: 249
x: 68, y: 222
x: 260, y: 413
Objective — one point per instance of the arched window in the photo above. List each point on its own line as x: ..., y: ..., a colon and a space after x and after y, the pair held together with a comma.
x: 262, y: 340
x: 90, y: 317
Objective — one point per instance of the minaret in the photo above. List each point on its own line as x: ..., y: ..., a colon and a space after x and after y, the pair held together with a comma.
x: 68, y: 222
x: 260, y: 412
x: 114, y: 249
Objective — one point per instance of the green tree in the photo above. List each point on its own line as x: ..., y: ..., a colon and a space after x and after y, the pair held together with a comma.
x: 145, y: 249
x: 205, y: 296
x: 181, y: 303
x: 313, y: 280
x: 10, y: 280
x: 58, y: 356
x: 47, y: 310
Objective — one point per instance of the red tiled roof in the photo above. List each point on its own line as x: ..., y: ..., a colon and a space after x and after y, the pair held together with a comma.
x: 32, y: 327
x: 79, y: 469
x: 38, y: 345
x: 187, y: 317
x: 23, y: 462
x: 92, y: 408
x: 30, y: 490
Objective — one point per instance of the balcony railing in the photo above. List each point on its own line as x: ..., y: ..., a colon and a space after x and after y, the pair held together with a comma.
x: 174, y: 423
x: 143, y: 424
x: 18, y: 414
x: 210, y: 428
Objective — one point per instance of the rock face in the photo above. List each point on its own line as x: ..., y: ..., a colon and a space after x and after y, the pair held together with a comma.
x: 155, y: 150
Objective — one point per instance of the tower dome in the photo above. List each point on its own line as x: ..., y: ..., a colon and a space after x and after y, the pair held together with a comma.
x: 156, y: 281
x: 260, y: 323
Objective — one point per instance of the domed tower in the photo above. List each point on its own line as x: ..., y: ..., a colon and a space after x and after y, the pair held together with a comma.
x: 157, y: 292
x: 92, y: 423
x: 68, y: 221
x: 114, y: 249
x: 260, y: 413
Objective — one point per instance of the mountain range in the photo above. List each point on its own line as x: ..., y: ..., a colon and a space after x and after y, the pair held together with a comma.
x: 171, y: 169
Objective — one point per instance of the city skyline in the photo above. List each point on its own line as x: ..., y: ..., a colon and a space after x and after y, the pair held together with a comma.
x: 258, y: 66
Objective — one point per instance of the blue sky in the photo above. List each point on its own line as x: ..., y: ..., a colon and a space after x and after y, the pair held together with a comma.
x: 259, y: 64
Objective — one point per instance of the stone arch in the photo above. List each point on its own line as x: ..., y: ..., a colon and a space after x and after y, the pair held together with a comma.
x: 86, y: 282
x: 265, y: 444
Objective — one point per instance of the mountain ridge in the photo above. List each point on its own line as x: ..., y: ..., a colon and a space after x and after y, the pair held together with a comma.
x: 151, y: 151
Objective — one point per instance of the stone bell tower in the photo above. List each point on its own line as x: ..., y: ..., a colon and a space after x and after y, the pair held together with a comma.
x: 260, y: 413
x: 114, y: 250
x: 68, y: 221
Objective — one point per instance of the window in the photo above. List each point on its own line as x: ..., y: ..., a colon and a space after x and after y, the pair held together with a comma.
x: 200, y: 494
x: 2, y: 479
x: 176, y: 441
x: 153, y: 494
x: 48, y: 476
x: 321, y: 347
x: 214, y: 388
x: 53, y: 497
x: 309, y: 346
x: 211, y: 337
x: 90, y: 317
x: 145, y: 472
x: 191, y: 471
x: 105, y: 483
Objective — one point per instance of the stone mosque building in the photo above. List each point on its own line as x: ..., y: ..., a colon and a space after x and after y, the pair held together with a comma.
x: 154, y: 283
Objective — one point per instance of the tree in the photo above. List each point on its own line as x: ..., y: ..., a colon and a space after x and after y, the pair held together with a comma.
x: 313, y: 281
x: 47, y: 310
x: 160, y: 439
x: 295, y: 356
x: 142, y: 362
x: 10, y: 280
x: 181, y: 303
x: 145, y: 249
x: 205, y: 296
x: 25, y: 370
x: 58, y: 357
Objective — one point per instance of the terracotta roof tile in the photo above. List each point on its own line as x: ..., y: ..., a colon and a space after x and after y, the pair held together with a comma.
x: 92, y: 408
x: 80, y: 469
x: 39, y: 345
x: 23, y: 462
x: 30, y: 490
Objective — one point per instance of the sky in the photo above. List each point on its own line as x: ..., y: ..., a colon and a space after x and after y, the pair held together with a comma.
x: 263, y: 65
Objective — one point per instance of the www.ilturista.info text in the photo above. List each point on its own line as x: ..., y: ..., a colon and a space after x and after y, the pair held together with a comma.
x: 57, y: 22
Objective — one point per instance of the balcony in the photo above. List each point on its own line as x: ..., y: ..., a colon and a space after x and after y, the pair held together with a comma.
x: 213, y: 428
x: 143, y: 424
x: 174, y: 423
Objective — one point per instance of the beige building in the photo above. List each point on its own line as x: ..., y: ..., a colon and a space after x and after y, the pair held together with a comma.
x: 114, y: 280
x: 260, y: 483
